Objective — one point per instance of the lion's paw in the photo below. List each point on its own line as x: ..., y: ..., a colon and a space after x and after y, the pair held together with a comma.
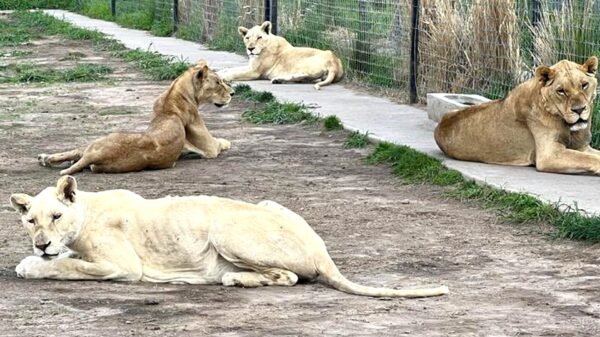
x: 224, y: 144
x: 231, y: 280
x: 29, y: 266
x: 43, y: 159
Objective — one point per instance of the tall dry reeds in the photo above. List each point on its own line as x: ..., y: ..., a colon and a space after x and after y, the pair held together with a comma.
x: 570, y: 30
x: 469, y: 46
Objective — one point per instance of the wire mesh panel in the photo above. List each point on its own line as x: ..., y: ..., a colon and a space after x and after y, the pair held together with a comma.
x: 145, y: 14
x: 465, y: 46
x: 370, y: 36
x: 567, y: 29
x: 488, y: 46
x: 469, y: 46
x: 216, y: 22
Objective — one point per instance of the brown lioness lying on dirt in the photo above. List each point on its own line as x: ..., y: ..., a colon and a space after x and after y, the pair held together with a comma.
x: 175, y: 126
x: 545, y: 121
x: 275, y: 59
x: 194, y: 239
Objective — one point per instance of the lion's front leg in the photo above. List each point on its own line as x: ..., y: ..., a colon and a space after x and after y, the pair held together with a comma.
x: 200, y: 141
x: 67, y: 268
x: 562, y: 160
x: 591, y: 150
x: 239, y: 74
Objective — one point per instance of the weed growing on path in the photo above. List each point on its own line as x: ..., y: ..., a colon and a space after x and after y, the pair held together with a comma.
x: 245, y: 92
x: 332, y: 123
x: 280, y: 113
x: 357, y: 140
x: 28, y: 73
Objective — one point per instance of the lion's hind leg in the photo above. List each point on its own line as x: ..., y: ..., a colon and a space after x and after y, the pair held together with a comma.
x: 78, y: 166
x: 293, y: 78
x: 58, y: 158
x: 268, y: 277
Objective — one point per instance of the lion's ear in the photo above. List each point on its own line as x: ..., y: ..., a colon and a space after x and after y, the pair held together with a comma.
x: 20, y: 202
x: 243, y: 31
x: 545, y: 74
x: 590, y: 66
x: 266, y: 27
x: 202, y: 70
x: 66, y: 188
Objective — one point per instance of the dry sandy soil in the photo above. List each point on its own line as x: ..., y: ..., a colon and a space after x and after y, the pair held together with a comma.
x: 505, y: 280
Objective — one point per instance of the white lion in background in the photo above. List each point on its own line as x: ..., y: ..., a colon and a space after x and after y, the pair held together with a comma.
x: 275, y: 59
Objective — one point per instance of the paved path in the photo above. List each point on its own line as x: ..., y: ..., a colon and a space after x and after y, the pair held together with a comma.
x: 383, y: 119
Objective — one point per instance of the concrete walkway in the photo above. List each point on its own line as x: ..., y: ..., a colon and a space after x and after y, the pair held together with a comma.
x: 383, y: 119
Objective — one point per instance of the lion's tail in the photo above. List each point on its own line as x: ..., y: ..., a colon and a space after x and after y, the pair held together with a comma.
x: 330, y: 274
x: 335, y: 72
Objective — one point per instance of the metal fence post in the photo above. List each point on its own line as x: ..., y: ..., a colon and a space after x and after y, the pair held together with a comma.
x: 536, y: 12
x: 362, y: 42
x: 267, y: 10
x: 113, y: 7
x: 271, y: 14
x: 175, y: 15
x: 414, y: 51
x: 274, y: 17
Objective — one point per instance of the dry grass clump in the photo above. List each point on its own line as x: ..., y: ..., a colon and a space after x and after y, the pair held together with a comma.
x: 469, y: 46
x: 569, y: 31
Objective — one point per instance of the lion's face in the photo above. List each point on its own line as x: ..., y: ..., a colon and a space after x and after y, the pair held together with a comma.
x: 52, y: 218
x: 569, y: 90
x: 210, y: 87
x: 256, y: 38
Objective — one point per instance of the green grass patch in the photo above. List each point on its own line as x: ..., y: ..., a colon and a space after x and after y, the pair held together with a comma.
x: 415, y: 167
x: 32, y: 4
x: 279, y: 113
x: 245, y: 92
x: 332, y: 123
x: 28, y: 73
x: 97, y: 10
x: 38, y: 25
x: 162, y: 27
x: 357, y: 140
x: 137, y: 20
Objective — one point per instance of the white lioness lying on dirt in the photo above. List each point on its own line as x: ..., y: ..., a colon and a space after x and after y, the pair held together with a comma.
x: 118, y: 235
x: 175, y: 126
x: 275, y: 59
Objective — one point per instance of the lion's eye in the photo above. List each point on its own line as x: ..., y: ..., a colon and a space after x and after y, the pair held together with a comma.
x: 585, y: 85
x: 561, y: 92
x: 258, y: 38
x: 56, y: 216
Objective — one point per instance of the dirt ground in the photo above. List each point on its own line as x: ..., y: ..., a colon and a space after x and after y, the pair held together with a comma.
x: 505, y: 280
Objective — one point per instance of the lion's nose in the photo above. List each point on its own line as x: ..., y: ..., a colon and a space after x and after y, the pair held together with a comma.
x: 250, y: 49
x: 578, y: 110
x: 232, y: 93
x: 43, y: 246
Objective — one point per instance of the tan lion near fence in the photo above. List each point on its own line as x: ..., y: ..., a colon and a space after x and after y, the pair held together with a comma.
x: 545, y: 121
x: 175, y: 126
x: 118, y: 235
x: 273, y: 58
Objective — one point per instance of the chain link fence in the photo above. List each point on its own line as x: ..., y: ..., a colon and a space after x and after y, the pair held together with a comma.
x: 406, y: 47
